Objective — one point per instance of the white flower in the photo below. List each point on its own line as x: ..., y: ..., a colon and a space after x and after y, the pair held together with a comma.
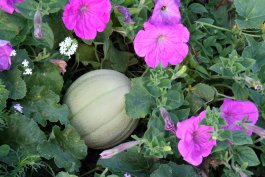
x: 25, y: 63
x: 68, y: 47
x: 28, y: 71
x: 18, y: 108
x: 13, y: 53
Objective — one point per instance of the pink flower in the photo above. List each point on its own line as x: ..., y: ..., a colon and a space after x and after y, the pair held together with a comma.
x: 233, y: 111
x: 8, y: 5
x: 5, y: 53
x: 195, y: 140
x: 86, y: 17
x: 161, y: 43
x: 166, y: 12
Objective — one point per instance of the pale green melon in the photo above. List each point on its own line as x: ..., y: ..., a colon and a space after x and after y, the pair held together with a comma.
x: 97, y: 108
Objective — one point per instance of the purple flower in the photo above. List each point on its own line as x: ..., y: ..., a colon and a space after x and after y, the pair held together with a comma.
x: 8, y: 5
x: 258, y: 130
x: 169, y: 125
x: 127, y: 175
x: 162, y: 43
x: 5, y: 53
x: 126, y: 14
x: 233, y: 111
x: 87, y: 17
x: 195, y: 140
x: 37, y: 25
x: 166, y: 12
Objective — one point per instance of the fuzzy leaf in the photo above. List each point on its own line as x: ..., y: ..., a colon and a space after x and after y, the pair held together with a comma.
x: 42, y: 104
x: 173, y: 170
x: 14, y: 83
x: 65, y: 147
x: 245, y: 154
x: 138, y: 101
x: 252, y: 13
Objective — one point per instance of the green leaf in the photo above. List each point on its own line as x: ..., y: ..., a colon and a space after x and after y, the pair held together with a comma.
x: 113, y: 58
x: 262, y: 158
x: 131, y: 162
x: 175, y: 99
x: 22, y: 132
x: 86, y: 55
x: 195, y: 103
x: 104, y: 36
x: 255, y: 51
x: 244, y: 154
x: 252, y: 13
x: 241, y: 138
x: 204, y: 91
x: 4, y: 150
x: 65, y: 147
x: 10, y: 25
x: 27, y: 8
x: 3, y: 95
x: 48, y: 75
x: 46, y: 41
x: 173, y: 170
x: 240, y: 93
x: 138, y: 102
x: 42, y: 104
x: 53, y: 6
x: 197, y: 8
x: 14, y: 83
x: 64, y: 174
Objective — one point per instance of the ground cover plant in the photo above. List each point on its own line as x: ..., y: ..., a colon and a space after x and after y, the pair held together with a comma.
x: 196, y: 70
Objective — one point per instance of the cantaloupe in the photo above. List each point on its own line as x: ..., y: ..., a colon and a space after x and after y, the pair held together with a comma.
x: 97, y: 108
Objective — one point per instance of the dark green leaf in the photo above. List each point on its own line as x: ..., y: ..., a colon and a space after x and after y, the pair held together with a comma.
x: 204, y: 91
x: 241, y: 138
x: 173, y: 170
x: 240, y: 93
x: 138, y: 101
x: 4, y: 150
x: 3, y: 95
x: 244, y: 154
x: 252, y: 13
x: 131, y: 162
x: 65, y: 147
x: 42, y: 104
x: 14, y: 83
x: 197, y: 8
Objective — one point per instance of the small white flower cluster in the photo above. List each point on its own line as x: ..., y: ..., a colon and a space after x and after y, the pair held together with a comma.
x: 18, y: 108
x: 28, y: 70
x: 13, y: 53
x: 68, y: 47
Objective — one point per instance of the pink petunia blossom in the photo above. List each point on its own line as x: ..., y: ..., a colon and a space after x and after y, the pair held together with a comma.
x: 5, y: 55
x: 8, y: 5
x: 195, y: 140
x: 162, y: 43
x: 87, y: 17
x: 166, y: 12
x: 236, y: 110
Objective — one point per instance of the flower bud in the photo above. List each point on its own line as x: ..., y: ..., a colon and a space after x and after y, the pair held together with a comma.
x: 61, y: 64
x: 126, y: 14
x: 37, y: 25
x: 5, y: 53
x: 169, y: 125
x: 122, y: 147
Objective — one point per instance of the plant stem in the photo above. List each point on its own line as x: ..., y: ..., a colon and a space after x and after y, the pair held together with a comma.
x: 225, y: 29
x: 219, y: 94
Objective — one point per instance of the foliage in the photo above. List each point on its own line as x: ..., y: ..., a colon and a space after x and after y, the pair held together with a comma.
x: 226, y: 60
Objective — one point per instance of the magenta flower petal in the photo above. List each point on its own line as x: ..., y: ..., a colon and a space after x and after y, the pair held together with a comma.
x: 8, y: 5
x: 5, y: 52
x: 166, y: 12
x: 162, y: 44
x: 195, y: 140
x: 87, y: 17
x: 233, y: 111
